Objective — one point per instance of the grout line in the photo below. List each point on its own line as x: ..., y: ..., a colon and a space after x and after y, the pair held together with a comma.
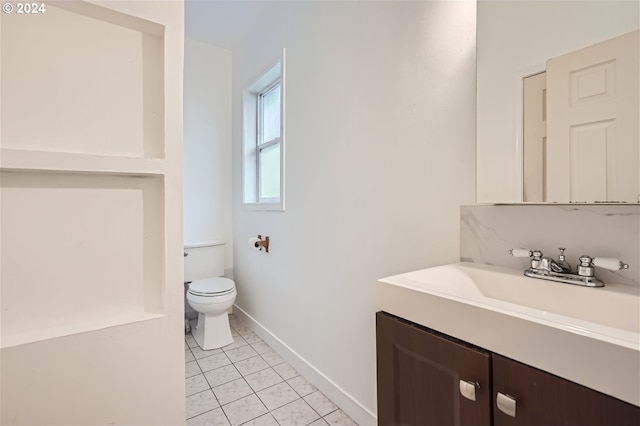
x: 243, y: 377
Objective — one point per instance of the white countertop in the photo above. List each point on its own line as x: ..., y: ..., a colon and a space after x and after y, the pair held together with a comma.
x: 590, y: 336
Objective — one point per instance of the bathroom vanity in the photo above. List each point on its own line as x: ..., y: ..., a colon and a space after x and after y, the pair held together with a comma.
x: 476, y: 344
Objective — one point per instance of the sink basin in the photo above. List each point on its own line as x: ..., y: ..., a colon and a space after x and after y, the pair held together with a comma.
x: 587, y: 335
x: 612, y: 312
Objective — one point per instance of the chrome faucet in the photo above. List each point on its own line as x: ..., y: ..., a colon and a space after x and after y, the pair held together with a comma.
x: 546, y: 268
x: 562, y: 261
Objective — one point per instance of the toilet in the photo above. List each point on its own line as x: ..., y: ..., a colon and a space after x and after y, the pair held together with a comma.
x: 209, y: 294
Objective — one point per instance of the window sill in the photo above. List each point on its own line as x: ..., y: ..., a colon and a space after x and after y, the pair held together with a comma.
x: 274, y: 207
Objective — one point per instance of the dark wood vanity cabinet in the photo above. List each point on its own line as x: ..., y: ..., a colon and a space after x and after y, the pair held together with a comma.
x: 421, y: 372
x: 544, y: 399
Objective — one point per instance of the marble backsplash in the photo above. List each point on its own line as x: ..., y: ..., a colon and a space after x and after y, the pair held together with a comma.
x: 487, y: 232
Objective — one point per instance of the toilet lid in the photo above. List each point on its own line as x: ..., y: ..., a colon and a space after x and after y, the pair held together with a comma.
x: 211, y: 286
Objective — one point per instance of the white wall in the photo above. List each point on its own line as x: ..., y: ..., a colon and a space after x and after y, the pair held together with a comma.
x: 514, y: 40
x: 380, y: 110
x: 207, y: 145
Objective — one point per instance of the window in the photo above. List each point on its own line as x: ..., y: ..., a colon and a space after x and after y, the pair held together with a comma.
x: 264, y: 141
x: 268, y: 136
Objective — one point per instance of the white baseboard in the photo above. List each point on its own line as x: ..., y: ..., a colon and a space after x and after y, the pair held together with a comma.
x: 346, y: 402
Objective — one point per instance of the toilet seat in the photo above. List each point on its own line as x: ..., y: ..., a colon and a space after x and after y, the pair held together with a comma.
x: 211, y: 287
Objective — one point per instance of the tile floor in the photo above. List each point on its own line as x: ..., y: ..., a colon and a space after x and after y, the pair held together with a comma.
x: 247, y: 383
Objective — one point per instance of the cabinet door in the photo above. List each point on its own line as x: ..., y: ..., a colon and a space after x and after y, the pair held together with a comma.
x: 544, y: 399
x: 419, y: 374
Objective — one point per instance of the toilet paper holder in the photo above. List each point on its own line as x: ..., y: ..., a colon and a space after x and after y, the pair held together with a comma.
x: 262, y: 243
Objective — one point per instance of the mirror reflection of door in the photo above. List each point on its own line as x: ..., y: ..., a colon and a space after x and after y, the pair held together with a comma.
x: 534, y: 137
x: 592, y: 146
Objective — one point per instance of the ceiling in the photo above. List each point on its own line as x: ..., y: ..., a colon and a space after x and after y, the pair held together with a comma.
x: 221, y: 22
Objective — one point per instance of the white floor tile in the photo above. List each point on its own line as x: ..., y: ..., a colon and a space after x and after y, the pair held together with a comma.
x: 200, y: 403
x: 245, y: 409
x: 272, y: 358
x: 251, y: 337
x: 251, y: 365
x: 235, y: 322
x: 213, y: 361
x: 222, y: 375
x: 232, y: 391
x: 286, y: 371
x: 301, y: 385
x: 238, y: 341
x: 243, y: 329
x: 266, y: 420
x: 320, y: 403
x: 191, y: 369
x: 241, y: 353
x: 239, y: 326
x: 215, y: 417
x: 339, y: 418
x: 278, y: 395
x: 191, y: 342
x: 261, y: 347
x: 247, y: 383
x: 263, y: 379
x: 199, y: 353
x: 195, y: 384
x: 297, y: 412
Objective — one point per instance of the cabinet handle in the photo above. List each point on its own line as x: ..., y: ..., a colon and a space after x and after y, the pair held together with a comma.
x: 468, y: 389
x: 506, y: 404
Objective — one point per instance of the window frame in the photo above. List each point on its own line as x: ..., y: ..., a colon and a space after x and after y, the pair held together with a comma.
x: 261, y: 144
x: 252, y: 135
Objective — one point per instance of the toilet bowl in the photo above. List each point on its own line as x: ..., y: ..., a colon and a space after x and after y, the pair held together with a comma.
x: 209, y: 294
x: 211, y: 298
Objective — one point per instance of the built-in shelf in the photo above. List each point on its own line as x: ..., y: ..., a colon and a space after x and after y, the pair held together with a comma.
x: 30, y: 160
x: 80, y: 251
x: 90, y: 222
x: 73, y: 326
x: 83, y: 171
x: 102, y: 92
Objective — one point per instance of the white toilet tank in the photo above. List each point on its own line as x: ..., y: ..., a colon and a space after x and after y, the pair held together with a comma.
x: 203, y: 260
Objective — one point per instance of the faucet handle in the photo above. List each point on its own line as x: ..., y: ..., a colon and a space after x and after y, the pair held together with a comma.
x: 534, y: 255
x: 585, y: 267
x: 609, y: 263
x: 520, y: 252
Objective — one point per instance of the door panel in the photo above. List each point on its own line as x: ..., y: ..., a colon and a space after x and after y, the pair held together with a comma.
x: 594, y: 148
x: 592, y: 128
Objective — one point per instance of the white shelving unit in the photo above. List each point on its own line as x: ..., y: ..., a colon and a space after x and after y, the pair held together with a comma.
x: 24, y: 161
x: 91, y: 244
x: 82, y: 155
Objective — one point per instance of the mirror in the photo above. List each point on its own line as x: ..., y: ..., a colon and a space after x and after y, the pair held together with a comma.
x: 514, y: 40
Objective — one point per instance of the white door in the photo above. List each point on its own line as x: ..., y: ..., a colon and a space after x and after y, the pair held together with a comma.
x: 592, y: 126
x: 90, y: 220
x: 534, y: 137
